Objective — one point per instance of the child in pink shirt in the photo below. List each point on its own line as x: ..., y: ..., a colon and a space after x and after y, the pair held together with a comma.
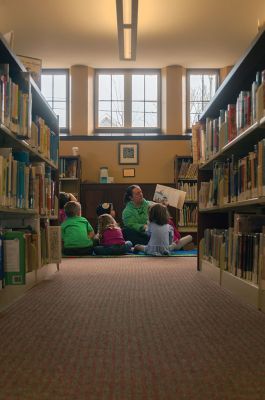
x: 111, y: 240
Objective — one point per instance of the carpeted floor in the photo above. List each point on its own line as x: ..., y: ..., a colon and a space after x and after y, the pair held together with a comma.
x: 131, y: 329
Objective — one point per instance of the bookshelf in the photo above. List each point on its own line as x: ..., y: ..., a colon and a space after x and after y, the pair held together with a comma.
x: 229, y: 144
x: 30, y: 243
x: 185, y: 175
x: 70, y: 175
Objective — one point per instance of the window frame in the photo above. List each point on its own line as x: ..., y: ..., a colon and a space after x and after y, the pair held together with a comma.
x: 127, y: 72
x: 198, y: 71
x: 62, y: 71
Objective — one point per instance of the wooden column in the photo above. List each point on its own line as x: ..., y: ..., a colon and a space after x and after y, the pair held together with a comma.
x: 224, y: 72
x: 82, y: 103
x: 173, y: 99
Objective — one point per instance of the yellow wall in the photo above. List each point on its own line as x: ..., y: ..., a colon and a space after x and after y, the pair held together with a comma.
x: 156, y: 159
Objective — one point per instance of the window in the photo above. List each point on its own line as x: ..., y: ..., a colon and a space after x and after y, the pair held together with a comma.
x: 201, y: 87
x: 127, y: 101
x: 55, y: 88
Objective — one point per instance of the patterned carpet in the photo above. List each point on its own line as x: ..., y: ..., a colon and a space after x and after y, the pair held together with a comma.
x: 129, y: 329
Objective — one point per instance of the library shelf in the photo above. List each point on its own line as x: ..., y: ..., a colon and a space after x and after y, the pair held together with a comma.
x: 33, y: 179
x: 243, y: 78
x: 11, y: 293
x: 69, y: 179
x: 238, y: 145
x: 12, y: 140
x: 243, y: 289
x: 20, y: 211
x: 236, y: 205
x: 70, y: 172
x: 184, y: 169
x: 210, y: 270
x: 50, y: 217
x: 187, y: 229
x: 187, y: 180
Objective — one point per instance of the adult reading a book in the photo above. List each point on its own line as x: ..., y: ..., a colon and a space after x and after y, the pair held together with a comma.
x: 135, y: 216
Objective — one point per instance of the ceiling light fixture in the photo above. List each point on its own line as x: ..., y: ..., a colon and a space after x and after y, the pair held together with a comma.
x: 127, y: 14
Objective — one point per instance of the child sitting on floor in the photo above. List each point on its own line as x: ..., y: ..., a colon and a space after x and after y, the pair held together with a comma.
x: 111, y: 240
x: 160, y: 232
x: 77, y: 233
x: 63, y: 199
x: 105, y: 208
x: 180, y: 242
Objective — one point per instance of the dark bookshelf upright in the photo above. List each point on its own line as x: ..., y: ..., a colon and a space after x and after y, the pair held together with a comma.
x: 229, y: 143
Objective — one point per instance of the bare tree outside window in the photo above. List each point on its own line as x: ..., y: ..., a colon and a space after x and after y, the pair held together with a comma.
x: 134, y: 108
x: 55, y: 88
x: 201, y: 87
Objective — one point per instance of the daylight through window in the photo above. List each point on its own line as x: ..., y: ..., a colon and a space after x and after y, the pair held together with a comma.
x: 55, y: 88
x: 127, y: 101
x: 201, y: 87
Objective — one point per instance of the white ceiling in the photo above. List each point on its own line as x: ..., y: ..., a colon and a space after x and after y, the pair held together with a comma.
x: 192, y: 33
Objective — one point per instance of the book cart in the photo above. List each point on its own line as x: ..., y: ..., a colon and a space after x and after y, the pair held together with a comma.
x: 30, y: 241
x: 230, y: 147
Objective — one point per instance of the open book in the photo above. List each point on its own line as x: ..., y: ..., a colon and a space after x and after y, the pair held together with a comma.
x: 170, y: 196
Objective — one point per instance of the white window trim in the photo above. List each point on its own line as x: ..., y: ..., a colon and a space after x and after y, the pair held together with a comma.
x: 62, y: 71
x: 198, y: 71
x: 128, y: 101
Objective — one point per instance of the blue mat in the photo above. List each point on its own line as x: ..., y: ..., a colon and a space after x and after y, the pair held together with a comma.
x: 177, y: 253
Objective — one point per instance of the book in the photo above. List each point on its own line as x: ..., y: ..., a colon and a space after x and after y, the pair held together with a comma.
x: 248, y: 223
x: 54, y: 244
x: 173, y: 197
x: 14, y: 258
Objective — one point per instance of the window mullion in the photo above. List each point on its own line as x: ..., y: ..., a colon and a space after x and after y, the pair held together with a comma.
x: 53, y: 92
x: 127, y: 100
x: 144, y: 100
x: 111, y: 101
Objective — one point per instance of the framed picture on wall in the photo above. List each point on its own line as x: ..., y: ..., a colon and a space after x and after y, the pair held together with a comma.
x: 128, y: 172
x: 128, y: 153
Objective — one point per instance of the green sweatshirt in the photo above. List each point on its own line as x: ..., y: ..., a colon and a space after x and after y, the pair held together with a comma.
x: 135, y: 217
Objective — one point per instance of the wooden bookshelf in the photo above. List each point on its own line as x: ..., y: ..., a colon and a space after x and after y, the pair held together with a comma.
x: 70, y: 175
x: 182, y: 178
x: 221, y: 216
x: 241, y: 76
x: 21, y: 201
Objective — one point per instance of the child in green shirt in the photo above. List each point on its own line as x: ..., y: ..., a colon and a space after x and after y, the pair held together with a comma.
x: 77, y: 233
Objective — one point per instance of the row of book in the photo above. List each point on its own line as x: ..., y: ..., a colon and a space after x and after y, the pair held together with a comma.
x: 238, y: 249
x: 188, y: 170
x: 68, y: 167
x: 43, y: 139
x: 16, y: 114
x: 24, y: 250
x: 25, y: 184
x: 15, y: 101
x: 209, y: 138
x: 235, y: 180
x: 188, y: 215
x: 191, y: 190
